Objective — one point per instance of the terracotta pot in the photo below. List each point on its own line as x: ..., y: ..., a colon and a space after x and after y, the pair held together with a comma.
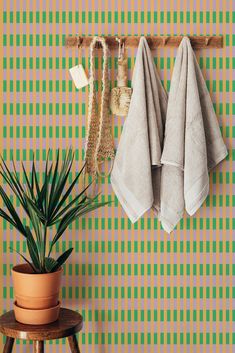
x: 35, y: 291
x: 36, y: 317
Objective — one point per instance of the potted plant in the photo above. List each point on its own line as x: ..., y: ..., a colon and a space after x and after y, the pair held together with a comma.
x: 49, y: 204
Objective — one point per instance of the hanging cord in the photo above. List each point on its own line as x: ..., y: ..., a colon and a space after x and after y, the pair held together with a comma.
x: 99, y: 141
x: 121, y: 48
x: 121, y: 95
x: 122, y: 64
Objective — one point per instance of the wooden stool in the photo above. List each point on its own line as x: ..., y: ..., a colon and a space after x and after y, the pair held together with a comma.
x: 67, y: 325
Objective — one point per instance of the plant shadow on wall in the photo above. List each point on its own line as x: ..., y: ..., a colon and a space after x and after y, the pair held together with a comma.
x: 49, y: 204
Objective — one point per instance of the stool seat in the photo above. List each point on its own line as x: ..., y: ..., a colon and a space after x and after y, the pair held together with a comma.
x: 68, y: 324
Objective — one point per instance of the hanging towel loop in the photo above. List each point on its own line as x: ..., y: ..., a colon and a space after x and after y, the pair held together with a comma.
x: 121, y: 47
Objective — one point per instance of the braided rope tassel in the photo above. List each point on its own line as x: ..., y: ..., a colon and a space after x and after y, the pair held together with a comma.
x: 99, y: 141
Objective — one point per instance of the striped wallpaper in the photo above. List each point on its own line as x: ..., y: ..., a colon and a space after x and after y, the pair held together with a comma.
x: 139, y: 289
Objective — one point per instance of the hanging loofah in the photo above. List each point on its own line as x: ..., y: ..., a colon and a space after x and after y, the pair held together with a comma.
x: 99, y: 140
x: 121, y: 95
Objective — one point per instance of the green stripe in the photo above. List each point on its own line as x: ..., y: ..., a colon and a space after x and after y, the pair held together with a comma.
x: 93, y: 16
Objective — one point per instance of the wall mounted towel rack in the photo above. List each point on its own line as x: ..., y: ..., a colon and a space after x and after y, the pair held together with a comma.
x: 198, y: 42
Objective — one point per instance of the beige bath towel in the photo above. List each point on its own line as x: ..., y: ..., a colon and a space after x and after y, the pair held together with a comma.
x: 192, y: 144
x: 135, y: 176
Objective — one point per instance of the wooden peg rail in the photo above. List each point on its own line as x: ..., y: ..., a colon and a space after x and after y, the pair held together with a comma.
x: 198, y: 42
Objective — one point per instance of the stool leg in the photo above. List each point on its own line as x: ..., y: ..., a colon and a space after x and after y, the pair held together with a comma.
x: 38, y: 346
x: 8, y: 345
x: 73, y: 344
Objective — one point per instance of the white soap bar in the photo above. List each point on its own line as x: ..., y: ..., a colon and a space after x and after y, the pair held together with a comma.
x: 79, y: 76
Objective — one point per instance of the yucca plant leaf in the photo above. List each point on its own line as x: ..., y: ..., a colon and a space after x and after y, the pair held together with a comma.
x: 72, y: 215
x: 57, y: 216
x: 64, y: 223
x: 32, y: 175
x: 33, y: 254
x: 33, y: 249
x: 25, y: 259
x: 45, y: 187
x: 62, y: 179
x: 50, y: 264
x: 68, y: 208
x: 45, y: 203
x: 37, y: 210
x: 12, y: 175
x: 37, y: 226
x: 68, y: 192
x: 35, y: 223
x: 65, y: 167
x: 91, y: 208
x: 61, y: 259
x: 35, y: 178
x: 9, y: 178
x: 65, y: 218
x: 20, y: 186
x: 54, y: 179
x: 14, y: 188
x: 13, y: 181
x: 12, y: 211
x: 4, y: 215
x: 39, y: 199
x: 29, y: 186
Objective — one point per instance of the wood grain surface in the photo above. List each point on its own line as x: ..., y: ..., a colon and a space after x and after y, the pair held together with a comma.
x: 197, y: 42
x: 69, y: 323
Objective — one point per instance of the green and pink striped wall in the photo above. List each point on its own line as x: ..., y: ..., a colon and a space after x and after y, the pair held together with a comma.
x: 139, y: 289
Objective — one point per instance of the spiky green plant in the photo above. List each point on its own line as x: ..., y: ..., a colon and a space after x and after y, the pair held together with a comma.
x: 45, y: 204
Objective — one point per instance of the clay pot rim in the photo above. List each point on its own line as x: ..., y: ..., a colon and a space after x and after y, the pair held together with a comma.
x: 25, y: 297
x: 16, y: 270
x: 37, y: 310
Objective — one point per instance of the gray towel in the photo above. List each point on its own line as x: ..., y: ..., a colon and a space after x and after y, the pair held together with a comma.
x: 136, y: 175
x: 192, y: 144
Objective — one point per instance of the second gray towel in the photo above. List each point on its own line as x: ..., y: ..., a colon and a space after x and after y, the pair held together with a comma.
x: 193, y: 143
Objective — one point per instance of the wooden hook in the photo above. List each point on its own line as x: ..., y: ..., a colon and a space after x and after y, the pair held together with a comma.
x: 165, y: 40
x: 207, y: 40
x: 198, y: 42
x: 71, y: 41
x: 98, y: 44
x: 79, y: 41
